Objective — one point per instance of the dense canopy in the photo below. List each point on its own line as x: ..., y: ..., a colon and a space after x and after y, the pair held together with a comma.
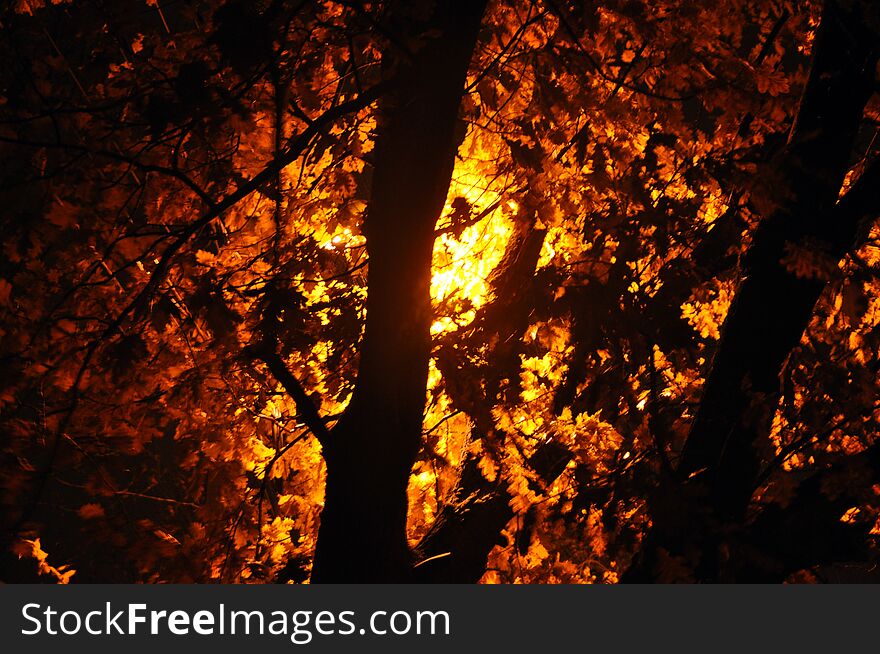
x: 532, y: 291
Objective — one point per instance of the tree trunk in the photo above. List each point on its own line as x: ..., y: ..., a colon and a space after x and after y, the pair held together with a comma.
x: 775, y: 301
x: 371, y: 451
x: 772, y: 308
x: 456, y: 547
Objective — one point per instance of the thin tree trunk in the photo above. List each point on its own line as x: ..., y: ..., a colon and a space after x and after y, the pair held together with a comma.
x: 455, y: 549
x: 371, y: 451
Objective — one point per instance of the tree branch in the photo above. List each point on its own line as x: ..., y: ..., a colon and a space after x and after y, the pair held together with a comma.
x: 304, y: 404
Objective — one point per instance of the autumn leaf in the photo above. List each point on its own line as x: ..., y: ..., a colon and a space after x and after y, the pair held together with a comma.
x: 91, y: 511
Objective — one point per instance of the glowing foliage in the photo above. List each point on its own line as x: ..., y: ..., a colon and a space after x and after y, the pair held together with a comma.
x: 585, y: 261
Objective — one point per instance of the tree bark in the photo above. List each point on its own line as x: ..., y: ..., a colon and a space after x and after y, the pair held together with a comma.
x: 370, y: 453
x: 774, y: 302
x: 455, y: 549
x: 719, y: 464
